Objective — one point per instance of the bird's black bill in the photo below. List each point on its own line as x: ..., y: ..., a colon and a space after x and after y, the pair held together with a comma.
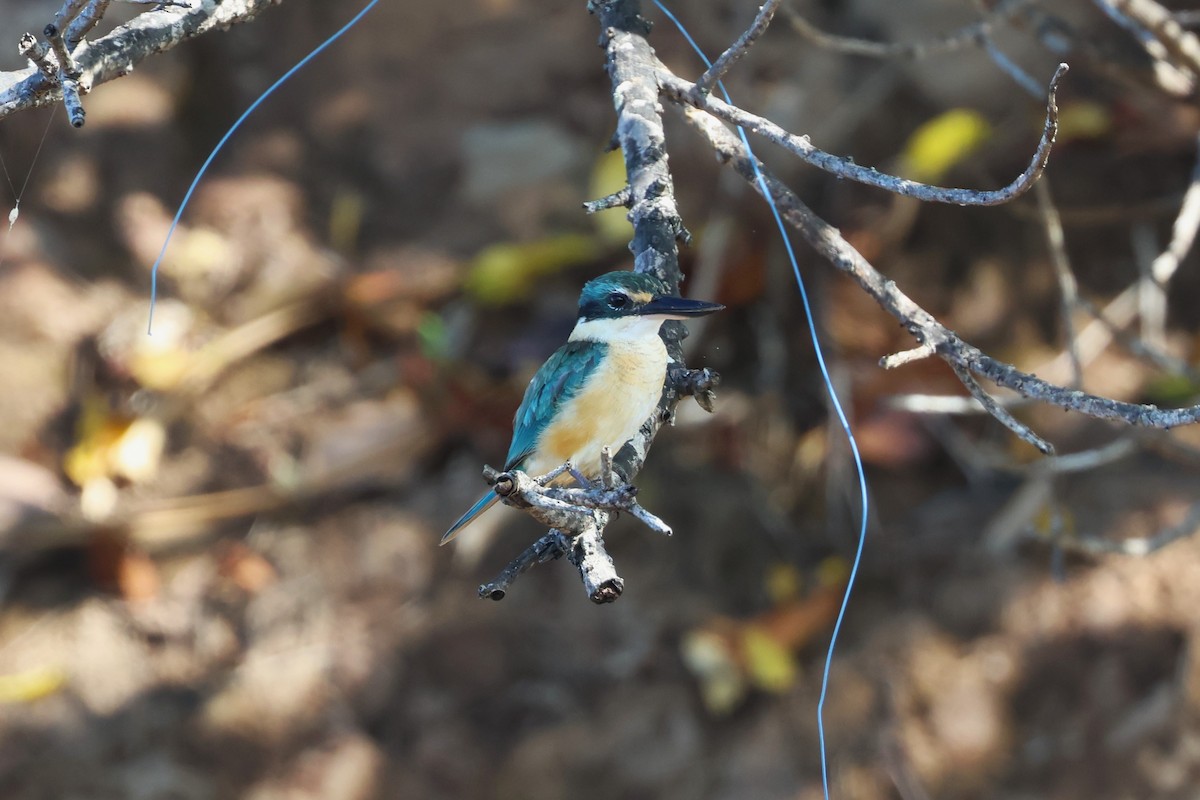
x: 678, y: 308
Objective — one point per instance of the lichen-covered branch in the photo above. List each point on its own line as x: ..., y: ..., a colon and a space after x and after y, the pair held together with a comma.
x: 118, y: 52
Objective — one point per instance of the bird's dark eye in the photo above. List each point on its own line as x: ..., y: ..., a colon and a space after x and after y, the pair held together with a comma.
x: 616, y: 301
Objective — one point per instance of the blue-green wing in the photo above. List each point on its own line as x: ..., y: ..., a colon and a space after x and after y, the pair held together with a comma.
x: 559, y: 379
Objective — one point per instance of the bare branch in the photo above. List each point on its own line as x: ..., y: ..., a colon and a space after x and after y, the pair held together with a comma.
x: 1137, y: 546
x: 117, y: 53
x: 683, y: 92
x: 907, y: 357
x: 548, y: 548
x: 68, y: 76
x: 85, y: 21
x: 70, y: 9
x: 1183, y: 233
x: 739, y: 48
x: 998, y: 411
x: 968, y: 36
x: 921, y: 324
x: 1011, y: 68
x: 1181, y: 45
x: 621, y: 197
x: 1068, y: 288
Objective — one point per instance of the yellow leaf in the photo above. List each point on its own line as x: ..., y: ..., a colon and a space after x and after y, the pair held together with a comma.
x: 769, y: 663
x: 503, y: 273
x: 608, y: 176
x: 97, y: 430
x: 110, y: 445
x: 942, y: 142
x: 34, y: 684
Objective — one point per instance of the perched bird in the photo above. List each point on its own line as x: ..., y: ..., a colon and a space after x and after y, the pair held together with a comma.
x: 597, y: 389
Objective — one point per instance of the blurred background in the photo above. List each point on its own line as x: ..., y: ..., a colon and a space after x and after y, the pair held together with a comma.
x: 219, y: 568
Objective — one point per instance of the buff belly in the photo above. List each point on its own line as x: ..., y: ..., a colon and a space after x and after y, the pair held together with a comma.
x: 608, y: 411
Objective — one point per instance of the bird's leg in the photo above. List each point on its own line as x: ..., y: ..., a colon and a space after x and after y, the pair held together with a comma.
x: 567, y: 468
x: 554, y: 473
x: 578, y: 476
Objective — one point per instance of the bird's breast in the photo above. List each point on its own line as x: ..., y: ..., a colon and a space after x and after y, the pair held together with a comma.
x: 608, y: 410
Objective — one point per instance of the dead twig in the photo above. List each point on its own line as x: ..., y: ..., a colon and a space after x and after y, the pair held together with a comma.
x: 706, y: 82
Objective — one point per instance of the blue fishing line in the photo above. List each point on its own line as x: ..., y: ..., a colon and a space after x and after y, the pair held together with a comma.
x: 833, y: 398
x: 245, y: 114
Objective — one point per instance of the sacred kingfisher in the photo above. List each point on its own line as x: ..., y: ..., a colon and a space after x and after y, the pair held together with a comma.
x: 597, y: 389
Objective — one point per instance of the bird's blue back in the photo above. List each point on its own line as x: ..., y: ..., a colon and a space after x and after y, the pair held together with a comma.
x: 558, y: 380
x: 563, y: 375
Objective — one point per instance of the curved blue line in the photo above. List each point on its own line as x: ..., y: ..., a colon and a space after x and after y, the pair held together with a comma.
x: 224, y: 139
x: 834, y: 401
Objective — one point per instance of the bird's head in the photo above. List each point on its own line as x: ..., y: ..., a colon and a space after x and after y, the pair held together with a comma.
x: 629, y: 305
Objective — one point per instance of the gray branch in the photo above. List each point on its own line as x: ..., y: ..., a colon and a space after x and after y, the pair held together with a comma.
x: 684, y: 92
x: 762, y: 21
x: 117, y: 53
x: 968, y: 36
x: 932, y: 336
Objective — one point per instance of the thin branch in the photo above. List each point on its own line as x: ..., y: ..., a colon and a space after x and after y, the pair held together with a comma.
x: 944, y: 404
x: 1037, y: 491
x: 682, y: 91
x: 1068, y: 288
x: 1137, y: 546
x: 1183, y: 233
x: 621, y: 197
x: 967, y: 36
x: 1176, y: 79
x: 906, y: 357
x: 70, y: 9
x: 739, y: 48
x: 88, y: 18
x: 998, y: 411
x: 1182, y: 46
x: 1009, y: 67
x: 548, y: 548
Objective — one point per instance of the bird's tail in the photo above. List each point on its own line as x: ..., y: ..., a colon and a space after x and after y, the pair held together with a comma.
x: 484, y: 504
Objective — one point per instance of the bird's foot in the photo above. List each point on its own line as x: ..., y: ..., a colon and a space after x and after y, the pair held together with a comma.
x: 566, y: 468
